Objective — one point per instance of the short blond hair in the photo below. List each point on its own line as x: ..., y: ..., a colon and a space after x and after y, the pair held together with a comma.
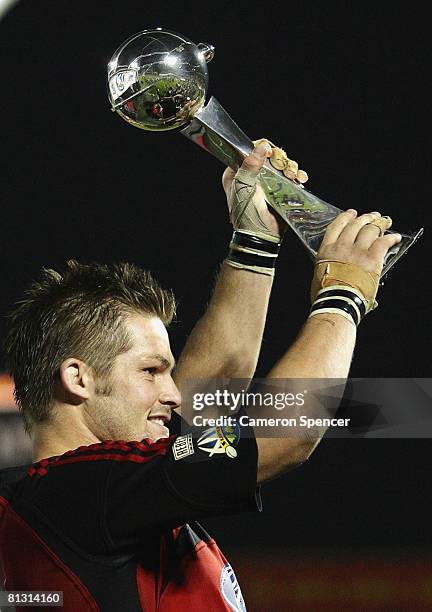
x: 81, y: 314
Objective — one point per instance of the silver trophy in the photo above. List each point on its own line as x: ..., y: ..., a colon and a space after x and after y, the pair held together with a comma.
x: 158, y: 80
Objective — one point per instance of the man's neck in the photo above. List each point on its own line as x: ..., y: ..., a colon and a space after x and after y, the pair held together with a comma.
x: 59, y: 437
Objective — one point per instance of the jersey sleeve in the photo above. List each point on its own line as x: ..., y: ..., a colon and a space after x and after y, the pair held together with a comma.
x: 179, y: 479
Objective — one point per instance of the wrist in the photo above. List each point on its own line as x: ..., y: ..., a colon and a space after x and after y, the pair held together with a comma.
x: 252, y: 252
x: 342, y: 300
x: 267, y: 237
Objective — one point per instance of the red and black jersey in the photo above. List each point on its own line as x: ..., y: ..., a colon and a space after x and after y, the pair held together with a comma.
x: 113, y: 525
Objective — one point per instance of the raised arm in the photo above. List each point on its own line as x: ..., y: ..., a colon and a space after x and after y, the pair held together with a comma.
x: 343, y: 290
x: 226, y: 341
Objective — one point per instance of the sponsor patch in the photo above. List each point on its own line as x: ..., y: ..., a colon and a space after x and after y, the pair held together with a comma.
x: 220, y: 440
x: 183, y: 447
x: 230, y: 589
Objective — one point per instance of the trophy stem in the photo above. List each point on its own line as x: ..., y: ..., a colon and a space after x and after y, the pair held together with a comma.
x: 307, y: 215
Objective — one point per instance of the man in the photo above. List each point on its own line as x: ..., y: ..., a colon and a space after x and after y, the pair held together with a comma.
x: 107, y: 513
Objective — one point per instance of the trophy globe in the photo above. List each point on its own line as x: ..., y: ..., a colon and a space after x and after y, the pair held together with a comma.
x: 157, y: 80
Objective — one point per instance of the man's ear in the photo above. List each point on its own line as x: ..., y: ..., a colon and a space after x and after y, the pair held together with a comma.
x: 76, y: 380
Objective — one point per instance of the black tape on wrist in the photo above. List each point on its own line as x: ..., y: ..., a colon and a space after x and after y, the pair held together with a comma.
x: 253, y: 253
x: 251, y: 259
x: 335, y: 293
x: 255, y: 242
x: 340, y: 305
x: 324, y: 305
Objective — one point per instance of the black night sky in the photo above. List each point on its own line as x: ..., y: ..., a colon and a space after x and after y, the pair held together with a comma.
x: 339, y: 85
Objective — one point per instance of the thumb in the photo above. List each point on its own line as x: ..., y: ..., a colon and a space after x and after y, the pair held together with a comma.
x: 253, y: 163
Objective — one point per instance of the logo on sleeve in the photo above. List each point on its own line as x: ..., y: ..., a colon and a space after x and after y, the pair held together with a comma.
x: 220, y: 440
x: 231, y: 590
x: 183, y: 447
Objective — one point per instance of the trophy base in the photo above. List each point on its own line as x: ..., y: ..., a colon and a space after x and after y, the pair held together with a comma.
x: 307, y: 215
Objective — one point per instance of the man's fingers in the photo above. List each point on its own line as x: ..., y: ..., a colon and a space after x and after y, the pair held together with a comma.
x: 302, y: 176
x: 335, y: 228
x: 280, y: 160
x: 351, y: 230
x: 380, y: 246
x: 371, y: 231
x: 256, y: 142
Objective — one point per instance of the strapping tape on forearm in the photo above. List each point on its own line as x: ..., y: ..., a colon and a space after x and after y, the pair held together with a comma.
x: 253, y: 253
x: 244, y: 215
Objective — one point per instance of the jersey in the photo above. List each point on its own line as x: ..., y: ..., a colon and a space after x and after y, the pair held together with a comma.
x: 114, y: 525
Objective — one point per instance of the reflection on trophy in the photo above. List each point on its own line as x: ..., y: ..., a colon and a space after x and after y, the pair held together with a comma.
x: 157, y: 80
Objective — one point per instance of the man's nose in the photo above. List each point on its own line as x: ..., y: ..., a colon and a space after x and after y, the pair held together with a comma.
x: 170, y: 395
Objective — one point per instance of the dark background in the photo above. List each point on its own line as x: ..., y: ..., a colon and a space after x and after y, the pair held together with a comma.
x: 341, y: 87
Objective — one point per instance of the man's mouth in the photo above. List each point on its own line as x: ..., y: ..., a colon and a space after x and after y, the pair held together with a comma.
x: 158, y: 428
x: 158, y: 420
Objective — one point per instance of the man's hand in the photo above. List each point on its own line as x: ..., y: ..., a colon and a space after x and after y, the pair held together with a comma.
x: 352, y: 253
x: 246, y: 201
x: 358, y: 240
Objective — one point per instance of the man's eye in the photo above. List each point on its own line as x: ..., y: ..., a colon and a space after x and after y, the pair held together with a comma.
x: 150, y: 370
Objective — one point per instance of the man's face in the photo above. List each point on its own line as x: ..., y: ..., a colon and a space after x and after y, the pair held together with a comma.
x: 136, y: 399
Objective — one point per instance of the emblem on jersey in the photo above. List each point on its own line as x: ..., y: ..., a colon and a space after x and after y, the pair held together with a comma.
x: 183, y: 447
x: 218, y: 440
x: 231, y: 589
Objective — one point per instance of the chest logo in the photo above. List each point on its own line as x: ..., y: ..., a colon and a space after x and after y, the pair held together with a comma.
x: 183, y: 447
